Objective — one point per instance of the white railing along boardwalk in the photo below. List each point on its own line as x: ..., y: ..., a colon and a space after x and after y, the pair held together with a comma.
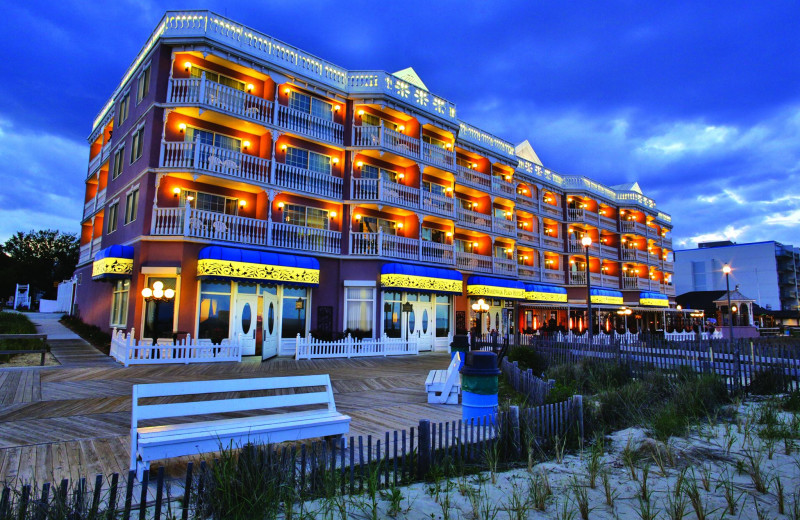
x: 213, y: 159
x: 308, y: 181
x: 128, y: 351
x: 312, y: 126
x: 310, y: 348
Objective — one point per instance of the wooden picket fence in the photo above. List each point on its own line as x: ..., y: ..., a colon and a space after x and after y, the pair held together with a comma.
x: 527, y: 384
x: 737, y: 361
x: 399, y: 458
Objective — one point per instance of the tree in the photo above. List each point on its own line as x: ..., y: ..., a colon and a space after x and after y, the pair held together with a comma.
x: 40, y: 258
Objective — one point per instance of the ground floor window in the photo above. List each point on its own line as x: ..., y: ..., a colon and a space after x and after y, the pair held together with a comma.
x: 359, y: 310
x: 119, y: 303
x: 392, y: 302
x: 160, y: 316
x: 443, y: 319
x: 215, y: 310
x: 293, y: 310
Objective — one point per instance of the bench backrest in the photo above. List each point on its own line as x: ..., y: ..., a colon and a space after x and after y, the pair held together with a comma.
x: 453, y: 367
x: 204, y: 407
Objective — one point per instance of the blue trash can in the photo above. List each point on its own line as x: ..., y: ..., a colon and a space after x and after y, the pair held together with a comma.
x: 479, y: 386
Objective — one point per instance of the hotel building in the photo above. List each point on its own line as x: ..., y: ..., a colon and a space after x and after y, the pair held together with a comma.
x: 279, y: 194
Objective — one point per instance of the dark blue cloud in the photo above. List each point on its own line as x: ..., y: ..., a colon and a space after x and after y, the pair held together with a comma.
x: 691, y: 99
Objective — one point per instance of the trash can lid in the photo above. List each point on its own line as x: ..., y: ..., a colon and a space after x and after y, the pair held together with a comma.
x: 460, y: 341
x: 480, y: 363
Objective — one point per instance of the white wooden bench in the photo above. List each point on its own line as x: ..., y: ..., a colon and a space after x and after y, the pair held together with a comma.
x: 163, y: 440
x: 444, y: 386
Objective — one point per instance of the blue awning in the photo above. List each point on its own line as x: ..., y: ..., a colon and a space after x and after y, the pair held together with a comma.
x: 545, y: 293
x: 113, y: 263
x: 606, y: 296
x: 232, y: 263
x: 653, y: 299
x: 418, y: 278
x: 495, y: 287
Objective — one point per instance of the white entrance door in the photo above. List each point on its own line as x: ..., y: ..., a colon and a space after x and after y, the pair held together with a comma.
x: 422, y: 324
x: 269, y: 320
x: 244, y: 324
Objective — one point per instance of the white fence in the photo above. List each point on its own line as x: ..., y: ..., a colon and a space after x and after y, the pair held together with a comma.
x: 310, y: 348
x: 128, y: 351
x: 627, y: 338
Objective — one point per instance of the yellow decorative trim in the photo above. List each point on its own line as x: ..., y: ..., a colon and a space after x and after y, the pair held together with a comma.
x: 111, y: 265
x: 493, y: 291
x: 654, y: 302
x: 424, y: 283
x: 546, y: 296
x: 249, y: 271
x: 610, y: 300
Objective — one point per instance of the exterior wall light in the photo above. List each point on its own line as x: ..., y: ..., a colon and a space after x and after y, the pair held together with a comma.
x: 401, y: 128
x: 358, y: 216
x: 176, y: 192
x: 182, y: 127
x: 284, y: 147
x: 250, y: 87
x: 280, y: 206
x: 242, y: 203
x: 246, y: 145
x: 359, y: 164
x: 361, y: 112
x: 337, y: 108
x: 333, y: 214
x: 187, y: 65
x: 335, y: 160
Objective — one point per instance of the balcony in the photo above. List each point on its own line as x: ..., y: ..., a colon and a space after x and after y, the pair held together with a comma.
x: 503, y: 187
x: 669, y: 290
x: 475, y: 179
x: 391, y: 246
x: 95, y: 204
x: 607, y: 251
x: 523, y: 201
x: 308, y: 181
x: 473, y: 262
x: 221, y: 98
x: 630, y: 226
x: 608, y: 223
x: 576, y: 247
x: 503, y: 226
x: 666, y: 242
x: 210, y: 225
x: 473, y: 219
x: 553, y: 276
x: 314, y: 127
x: 634, y: 255
x: 550, y: 210
x: 399, y: 195
x: 87, y: 251
x: 528, y: 273
x: 555, y: 243
x: 217, y: 161
x: 577, y: 278
x: 527, y: 237
x: 436, y: 203
x: 382, y: 137
x: 576, y: 215
x: 634, y: 282
x: 505, y: 266
x: 611, y: 282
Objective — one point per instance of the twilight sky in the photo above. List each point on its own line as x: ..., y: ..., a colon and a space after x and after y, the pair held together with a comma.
x: 697, y: 101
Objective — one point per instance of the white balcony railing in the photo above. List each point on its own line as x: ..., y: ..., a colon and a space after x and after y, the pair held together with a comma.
x: 549, y: 209
x: 527, y: 202
x: 100, y: 198
x: 308, y: 181
x: 553, y: 275
x: 528, y: 237
x: 608, y: 223
x: 503, y: 187
x: 232, y: 228
x: 85, y: 253
x: 634, y: 282
x: 437, y: 253
x: 634, y: 255
x: 575, y: 246
x: 474, y: 219
x: 577, y: 278
x: 506, y: 266
x: 473, y: 262
x: 381, y: 190
x: 438, y: 156
x: 219, y: 161
x: 400, y: 142
x: 473, y: 178
x: 200, y: 91
x: 312, y: 126
x: 631, y: 226
x: 382, y: 244
x: 528, y: 273
x: 552, y: 242
x: 88, y: 207
x: 575, y: 215
x: 501, y: 225
x: 612, y: 282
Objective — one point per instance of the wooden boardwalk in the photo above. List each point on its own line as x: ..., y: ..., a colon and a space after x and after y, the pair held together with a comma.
x: 73, y: 421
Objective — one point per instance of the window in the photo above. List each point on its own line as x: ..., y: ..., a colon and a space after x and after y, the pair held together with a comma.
x: 215, y: 310
x: 436, y: 189
x: 119, y: 303
x: 315, y: 107
x: 308, y: 160
x: 434, y: 141
x: 369, y: 171
x: 373, y: 120
x: 359, y: 307
x: 111, y: 226
x: 465, y: 246
x: 298, y: 215
x: 124, y: 107
x: 503, y: 252
x: 293, y: 312
x: 196, y: 72
x: 118, y: 155
x: 442, y: 315
x: 500, y: 213
x: 373, y: 224
x: 131, y: 205
x: 143, y: 85
x: 392, y: 302
x: 136, y: 144
x: 210, y: 202
x: 213, y: 139
x: 464, y: 162
x: 466, y: 204
x: 433, y: 235
x: 159, y: 317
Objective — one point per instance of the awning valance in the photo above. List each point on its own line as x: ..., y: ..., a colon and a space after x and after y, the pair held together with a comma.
x: 113, y: 263
x: 606, y: 296
x: 231, y: 263
x: 495, y: 287
x: 545, y: 293
x: 653, y: 299
x: 418, y: 278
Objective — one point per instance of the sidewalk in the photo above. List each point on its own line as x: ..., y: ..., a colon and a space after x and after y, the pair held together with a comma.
x: 66, y: 346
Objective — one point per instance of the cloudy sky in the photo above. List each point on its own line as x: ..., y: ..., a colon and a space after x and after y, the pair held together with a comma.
x: 697, y: 101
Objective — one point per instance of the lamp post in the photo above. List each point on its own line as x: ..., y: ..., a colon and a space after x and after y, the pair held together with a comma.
x: 625, y: 312
x: 727, y: 270
x: 587, y: 241
x: 157, y: 294
x: 480, y: 307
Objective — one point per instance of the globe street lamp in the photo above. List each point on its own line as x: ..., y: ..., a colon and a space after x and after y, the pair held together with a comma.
x: 157, y: 294
x: 587, y: 241
x: 625, y: 312
x: 727, y: 270
x: 480, y: 308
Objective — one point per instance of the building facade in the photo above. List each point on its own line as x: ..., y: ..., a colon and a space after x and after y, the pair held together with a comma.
x: 766, y: 271
x: 277, y: 194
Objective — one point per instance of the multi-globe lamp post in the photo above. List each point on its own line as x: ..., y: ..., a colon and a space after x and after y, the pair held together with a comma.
x: 587, y: 241
x: 480, y: 308
x: 157, y: 294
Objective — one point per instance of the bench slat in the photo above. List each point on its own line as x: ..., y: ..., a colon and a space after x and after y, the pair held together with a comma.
x: 159, y: 411
x: 229, y: 385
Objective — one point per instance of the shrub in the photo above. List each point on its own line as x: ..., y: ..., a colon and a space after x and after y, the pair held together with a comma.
x: 669, y: 421
x: 14, y: 323
x: 791, y: 402
x: 768, y: 382
x: 528, y: 358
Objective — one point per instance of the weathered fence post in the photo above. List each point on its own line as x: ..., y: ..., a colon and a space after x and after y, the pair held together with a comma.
x: 513, y: 418
x: 424, y: 457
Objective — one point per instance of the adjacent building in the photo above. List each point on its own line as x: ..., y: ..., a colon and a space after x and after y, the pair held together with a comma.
x: 766, y: 271
x: 274, y: 193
